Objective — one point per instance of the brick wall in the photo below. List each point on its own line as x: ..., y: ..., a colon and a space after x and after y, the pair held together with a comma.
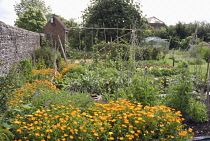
x: 16, y: 44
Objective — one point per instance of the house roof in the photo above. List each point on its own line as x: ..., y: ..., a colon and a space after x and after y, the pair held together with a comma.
x: 154, y: 20
x: 63, y: 25
x: 57, y: 19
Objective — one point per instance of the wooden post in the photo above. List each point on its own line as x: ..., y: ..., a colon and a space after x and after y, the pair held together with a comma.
x: 54, y: 63
x: 208, y: 82
x: 64, y: 55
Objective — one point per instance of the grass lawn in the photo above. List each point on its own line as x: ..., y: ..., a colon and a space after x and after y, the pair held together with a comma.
x: 181, y: 56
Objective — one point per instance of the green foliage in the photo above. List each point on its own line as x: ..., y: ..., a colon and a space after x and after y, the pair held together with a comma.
x: 25, y: 4
x: 119, y: 51
x: 25, y: 67
x: 2, y: 22
x: 180, y: 98
x: 184, y: 44
x: 98, y: 82
x: 198, y: 111
x: 179, y: 33
x: 44, y: 56
x: 140, y: 89
x: 182, y: 64
x: 1, y: 62
x: 205, y: 53
x: 111, y: 14
x: 162, y: 71
x: 149, y: 53
x: 32, y: 19
x: 8, y: 83
x: 5, y: 135
x: 112, y: 50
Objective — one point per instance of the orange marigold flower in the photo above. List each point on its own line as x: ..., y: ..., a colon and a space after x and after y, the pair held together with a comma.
x: 111, y: 138
x: 121, y: 138
x: 71, y: 137
x: 183, y: 133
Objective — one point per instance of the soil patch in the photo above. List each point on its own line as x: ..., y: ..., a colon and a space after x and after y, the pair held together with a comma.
x: 199, y: 129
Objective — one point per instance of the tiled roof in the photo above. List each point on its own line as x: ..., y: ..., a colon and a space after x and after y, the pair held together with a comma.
x: 63, y: 25
x: 154, y: 20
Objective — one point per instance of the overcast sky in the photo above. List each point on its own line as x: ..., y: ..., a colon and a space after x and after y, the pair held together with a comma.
x: 169, y: 11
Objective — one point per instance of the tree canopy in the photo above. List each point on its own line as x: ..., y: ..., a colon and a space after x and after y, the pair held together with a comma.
x: 111, y: 14
x: 21, y: 7
x: 32, y: 19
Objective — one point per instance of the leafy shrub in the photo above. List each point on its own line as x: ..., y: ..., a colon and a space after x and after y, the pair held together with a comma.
x: 180, y: 98
x: 149, y: 53
x: 5, y: 135
x: 140, y: 89
x: 182, y: 64
x: 196, y: 61
x: 205, y: 53
x: 116, y: 49
x: 44, y: 56
x: 113, y: 48
x: 159, y: 70
x: 197, y: 111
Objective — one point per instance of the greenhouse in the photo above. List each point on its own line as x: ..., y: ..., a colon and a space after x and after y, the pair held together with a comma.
x: 156, y: 42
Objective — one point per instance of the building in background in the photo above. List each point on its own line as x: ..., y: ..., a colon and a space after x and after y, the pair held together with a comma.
x: 55, y: 29
x: 155, y: 22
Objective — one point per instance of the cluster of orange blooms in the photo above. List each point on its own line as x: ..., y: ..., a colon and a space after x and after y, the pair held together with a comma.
x: 66, y: 67
x: 47, y: 73
x: 24, y: 94
x: 117, y: 120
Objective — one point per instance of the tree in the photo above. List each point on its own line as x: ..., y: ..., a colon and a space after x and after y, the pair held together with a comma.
x: 32, y: 19
x: 112, y: 14
x: 25, y: 4
x: 1, y: 22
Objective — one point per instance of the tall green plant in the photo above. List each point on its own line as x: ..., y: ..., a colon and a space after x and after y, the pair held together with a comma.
x: 5, y: 135
x: 44, y: 56
x: 141, y: 90
x: 180, y: 98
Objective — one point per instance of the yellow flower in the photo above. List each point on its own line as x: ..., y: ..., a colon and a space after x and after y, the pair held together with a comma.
x: 111, y: 138
x: 65, y: 135
x: 93, y: 130
x: 19, y: 130
x: 138, y: 131
x: 132, y: 132
x: 110, y: 133
x: 183, y: 133
x: 95, y: 134
x: 102, y: 128
x: 190, y: 129
x: 71, y: 137
x: 48, y: 137
x: 37, y: 134
x: 123, y: 125
x: 121, y: 138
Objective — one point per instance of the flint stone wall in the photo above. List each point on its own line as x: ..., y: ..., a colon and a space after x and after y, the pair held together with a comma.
x: 16, y: 44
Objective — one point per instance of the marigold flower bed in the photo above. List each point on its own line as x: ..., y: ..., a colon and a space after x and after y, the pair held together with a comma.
x: 117, y: 120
